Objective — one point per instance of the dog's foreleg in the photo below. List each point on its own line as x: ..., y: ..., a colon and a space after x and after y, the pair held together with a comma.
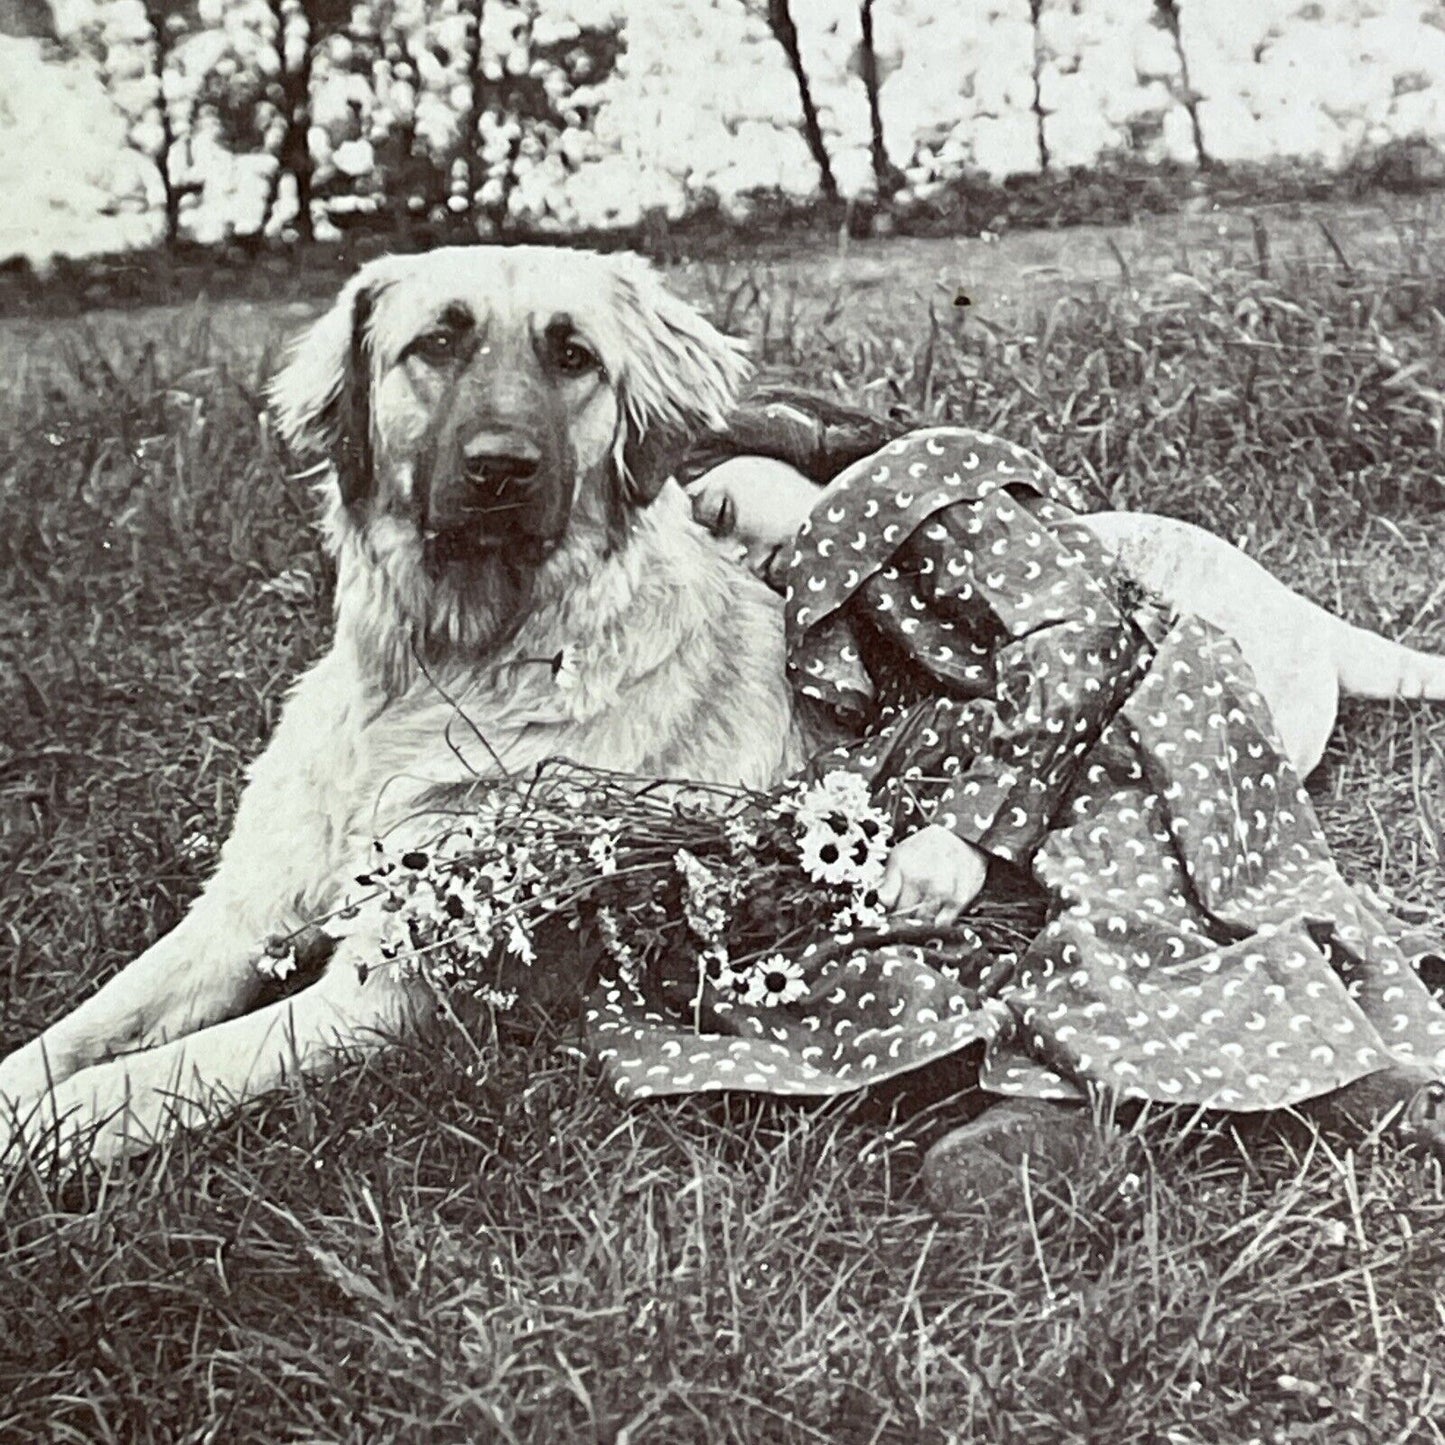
x: 185, y: 980
x: 278, y: 868
x: 125, y: 1106
x: 1302, y: 656
x: 201, y: 972
x: 1287, y: 641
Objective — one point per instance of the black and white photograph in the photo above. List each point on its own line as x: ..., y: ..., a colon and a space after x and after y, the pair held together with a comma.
x: 722, y: 721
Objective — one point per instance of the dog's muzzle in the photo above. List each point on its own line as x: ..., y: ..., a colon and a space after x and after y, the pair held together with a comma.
x: 501, y: 499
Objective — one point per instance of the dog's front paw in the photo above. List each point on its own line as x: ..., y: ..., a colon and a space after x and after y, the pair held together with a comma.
x: 25, y: 1077
x: 28, y: 1122
x: 95, y: 1116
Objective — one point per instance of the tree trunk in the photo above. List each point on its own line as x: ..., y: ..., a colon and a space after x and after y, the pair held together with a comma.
x: 161, y: 45
x: 500, y: 212
x: 170, y: 192
x: 885, y: 174
x: 296, y: 146
x: 1168, y: 12
x: 780, y: 22
x: 1036, y: 10
x: 293, y: 156
x: 471, y: 142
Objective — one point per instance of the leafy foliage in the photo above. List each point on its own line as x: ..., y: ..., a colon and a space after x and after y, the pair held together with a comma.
x: 443, y: 99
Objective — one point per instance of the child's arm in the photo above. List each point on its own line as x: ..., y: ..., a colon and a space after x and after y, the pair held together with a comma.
x: 812, y: 433
x: 934, y: 875
x: 760, y: 503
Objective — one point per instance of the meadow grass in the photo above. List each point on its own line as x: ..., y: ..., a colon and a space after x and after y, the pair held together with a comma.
x: 477, y: 1243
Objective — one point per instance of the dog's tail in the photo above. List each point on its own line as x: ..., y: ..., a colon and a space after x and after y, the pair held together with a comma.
x: 1373, y: 666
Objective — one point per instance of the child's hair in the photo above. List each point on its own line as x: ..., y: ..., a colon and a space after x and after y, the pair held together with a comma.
x: 817, y: 435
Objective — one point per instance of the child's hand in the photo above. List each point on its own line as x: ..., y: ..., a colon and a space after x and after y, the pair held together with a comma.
x: 756, y: 502
x: 934, y: 875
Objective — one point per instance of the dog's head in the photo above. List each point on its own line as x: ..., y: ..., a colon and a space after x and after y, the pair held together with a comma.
x: 495, y: 401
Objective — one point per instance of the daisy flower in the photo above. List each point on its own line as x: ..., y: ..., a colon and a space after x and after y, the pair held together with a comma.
x: 837, y: 799
x: 862, y: 910
x: 822, y: 856
x: 428, y: 908
x: 602, y: 850
x: 278, y: 961
x: 395, y: 933
x: 849, y: 859
x: 745, y: 988
x: 493, y: 997
x: 716, y: 966
x: 780, y: 980
x: 490, y: 879
x: 415, y: 862
x: 567, y: 669
x: 379, y: 864
x: 442, y: 970
x: 741, y: 835
x: 518, y: 941
x: 476, y: 934
x: 867, y: 847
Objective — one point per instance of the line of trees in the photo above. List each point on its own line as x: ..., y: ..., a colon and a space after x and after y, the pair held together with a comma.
x: 867, y: 64
x: 448, y: 99
x: 448, y: 102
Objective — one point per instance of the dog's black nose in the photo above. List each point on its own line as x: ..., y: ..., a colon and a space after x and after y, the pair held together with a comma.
x: 498, y: 490
x: 501, y: 467
x: 496, y: 459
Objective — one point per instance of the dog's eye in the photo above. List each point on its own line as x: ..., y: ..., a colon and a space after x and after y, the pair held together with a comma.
x: 436, y: 348
x: 571, y: 357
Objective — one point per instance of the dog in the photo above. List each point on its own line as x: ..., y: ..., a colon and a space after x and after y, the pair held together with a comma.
x: 499, y: 425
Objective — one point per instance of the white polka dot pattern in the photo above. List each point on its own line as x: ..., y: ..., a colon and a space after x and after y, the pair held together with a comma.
x: 1004, y: 680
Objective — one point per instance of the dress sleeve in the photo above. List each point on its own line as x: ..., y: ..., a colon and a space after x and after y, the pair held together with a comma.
x: 1054, y: 654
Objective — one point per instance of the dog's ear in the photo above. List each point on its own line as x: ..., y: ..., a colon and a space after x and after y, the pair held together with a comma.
x: 678, y: 376
x: 321, y: 398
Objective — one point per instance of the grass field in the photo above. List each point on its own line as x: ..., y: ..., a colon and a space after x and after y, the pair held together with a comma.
x: 484, y: 1246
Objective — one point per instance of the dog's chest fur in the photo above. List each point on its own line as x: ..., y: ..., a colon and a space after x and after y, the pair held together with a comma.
x: 672, y: 665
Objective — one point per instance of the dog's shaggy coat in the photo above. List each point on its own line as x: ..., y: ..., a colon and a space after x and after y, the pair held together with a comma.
x: 498, y: 424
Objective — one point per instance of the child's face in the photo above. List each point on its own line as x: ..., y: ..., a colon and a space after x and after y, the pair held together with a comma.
x: 754, y: 504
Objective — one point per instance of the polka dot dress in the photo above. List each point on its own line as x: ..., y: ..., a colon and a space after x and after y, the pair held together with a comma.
x: 999, y: 676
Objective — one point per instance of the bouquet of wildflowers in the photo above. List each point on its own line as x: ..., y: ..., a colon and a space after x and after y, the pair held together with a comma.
x: 718, y: 897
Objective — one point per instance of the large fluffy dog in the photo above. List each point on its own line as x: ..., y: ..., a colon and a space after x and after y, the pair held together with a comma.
x: 499, y: 424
